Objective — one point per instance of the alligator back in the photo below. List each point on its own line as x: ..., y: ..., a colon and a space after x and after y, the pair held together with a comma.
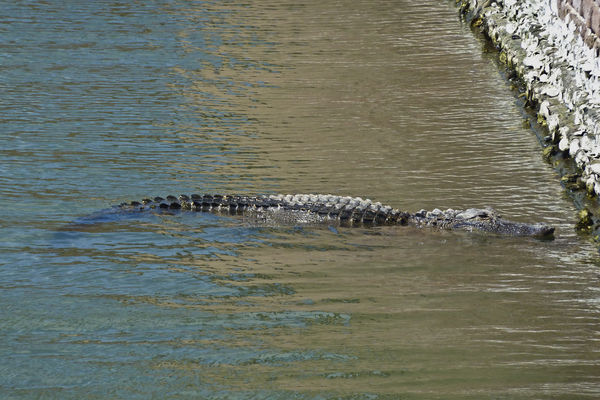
x: 298, y: 208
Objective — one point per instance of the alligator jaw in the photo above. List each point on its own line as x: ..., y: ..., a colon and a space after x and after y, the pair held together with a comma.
x: 480, y: 219
x: 541, y: 231
x: 504, y: 227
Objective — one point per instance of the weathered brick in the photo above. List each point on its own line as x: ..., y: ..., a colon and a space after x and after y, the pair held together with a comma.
x: 561, y: 6
x: 589, y: 38
x: 586, y: 10
x: 595, y: 22
x: 580, y: 24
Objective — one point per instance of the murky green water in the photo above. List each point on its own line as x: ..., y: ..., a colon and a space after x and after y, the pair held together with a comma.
x: 103, y: 102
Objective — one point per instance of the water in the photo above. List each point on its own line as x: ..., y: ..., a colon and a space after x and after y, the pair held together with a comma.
x: 104, y: 102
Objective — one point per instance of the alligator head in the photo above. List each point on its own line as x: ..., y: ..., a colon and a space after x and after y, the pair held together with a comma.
x: 489, y: 221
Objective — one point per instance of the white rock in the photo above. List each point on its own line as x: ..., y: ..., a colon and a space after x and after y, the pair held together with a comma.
x: 544, y: 111
x: 595, y: 151
x: 564, y: 131
x: 561, y: 133
x: 534, y: 61
x: 588, y: 65
x: 595, y: 167
x: 552, y: 122
x: 574, y: 147
x: 587, y: 143
x: 563, y: 144
x: 581, y: 158
x: 510, y: 28
x: 550, y: 90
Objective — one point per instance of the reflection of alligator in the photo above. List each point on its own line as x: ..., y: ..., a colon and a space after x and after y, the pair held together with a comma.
x: 345, y: 211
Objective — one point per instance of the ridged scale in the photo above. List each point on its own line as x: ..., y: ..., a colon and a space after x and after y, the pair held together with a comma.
x: 340, y: 208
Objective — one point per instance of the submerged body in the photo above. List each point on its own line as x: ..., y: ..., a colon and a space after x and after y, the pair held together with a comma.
x: 331, y: 209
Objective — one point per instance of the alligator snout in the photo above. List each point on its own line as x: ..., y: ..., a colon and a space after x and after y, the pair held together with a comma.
x: 541, y: 231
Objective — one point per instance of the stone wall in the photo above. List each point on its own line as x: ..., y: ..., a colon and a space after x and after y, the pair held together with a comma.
x: 561, y: 82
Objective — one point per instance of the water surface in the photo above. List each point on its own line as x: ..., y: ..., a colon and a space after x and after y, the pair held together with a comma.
x: 105, y: 102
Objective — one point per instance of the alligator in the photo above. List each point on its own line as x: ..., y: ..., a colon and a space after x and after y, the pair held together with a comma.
x: 334, y: 210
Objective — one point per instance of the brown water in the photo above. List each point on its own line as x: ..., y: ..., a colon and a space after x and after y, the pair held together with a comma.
x: 396, y: 101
